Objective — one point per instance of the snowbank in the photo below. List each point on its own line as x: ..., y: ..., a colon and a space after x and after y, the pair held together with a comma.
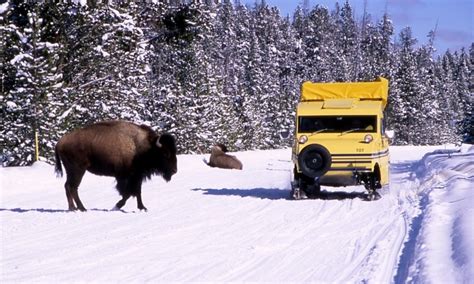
x: 219, y: 225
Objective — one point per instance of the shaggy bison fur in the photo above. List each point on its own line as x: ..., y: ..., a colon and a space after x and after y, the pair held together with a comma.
x: 220, y: 159
x: 131, y: 153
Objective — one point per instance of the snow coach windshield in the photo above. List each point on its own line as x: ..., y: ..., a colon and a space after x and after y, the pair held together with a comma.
x: 311, y: 124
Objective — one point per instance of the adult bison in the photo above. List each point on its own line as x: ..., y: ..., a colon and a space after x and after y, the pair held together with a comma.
x: 220, y: 159
x: 126, y: 151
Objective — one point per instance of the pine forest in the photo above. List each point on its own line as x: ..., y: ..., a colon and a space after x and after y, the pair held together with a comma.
x: 209, y: 73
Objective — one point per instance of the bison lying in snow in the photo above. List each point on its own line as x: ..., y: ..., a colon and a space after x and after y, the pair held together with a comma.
x: 126, y: 151
x: 220, y: 159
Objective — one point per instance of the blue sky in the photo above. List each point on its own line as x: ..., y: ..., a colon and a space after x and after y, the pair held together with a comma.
x: 455, y: 18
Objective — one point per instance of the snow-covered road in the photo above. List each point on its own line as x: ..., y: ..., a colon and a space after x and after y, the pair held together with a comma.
x: 217, y: 225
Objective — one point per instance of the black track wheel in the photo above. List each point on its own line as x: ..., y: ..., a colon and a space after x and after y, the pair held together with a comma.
x: 310, y: 187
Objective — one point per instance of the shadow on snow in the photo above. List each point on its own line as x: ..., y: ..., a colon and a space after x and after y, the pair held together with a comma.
x: 43, y: 210
x: 276, y: 194
x: 262, y: 193
x: 341, y: 195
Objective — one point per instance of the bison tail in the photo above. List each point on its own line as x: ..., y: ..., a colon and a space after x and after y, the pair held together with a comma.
x: 58, y: 168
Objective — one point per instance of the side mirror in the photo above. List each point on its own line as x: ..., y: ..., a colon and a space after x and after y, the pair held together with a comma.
x: 390, y: 133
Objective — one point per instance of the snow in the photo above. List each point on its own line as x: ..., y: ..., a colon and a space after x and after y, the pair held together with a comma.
x: 19, y: 58
x: 3, y: 7
x: 66, y: 113
x: 11, y: 105
x: 214, y: 225
x: 102, y: 51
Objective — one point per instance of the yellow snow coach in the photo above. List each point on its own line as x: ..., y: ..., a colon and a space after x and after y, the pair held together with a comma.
x: 340, y: 137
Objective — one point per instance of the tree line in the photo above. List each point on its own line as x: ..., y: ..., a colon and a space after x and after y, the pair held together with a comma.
x: 210, y: 73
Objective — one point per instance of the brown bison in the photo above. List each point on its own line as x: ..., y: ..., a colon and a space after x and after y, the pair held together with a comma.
x: 131, y: 153
x: 220, y: 159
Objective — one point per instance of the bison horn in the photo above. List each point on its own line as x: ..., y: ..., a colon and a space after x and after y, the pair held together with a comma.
x: 158, y: 144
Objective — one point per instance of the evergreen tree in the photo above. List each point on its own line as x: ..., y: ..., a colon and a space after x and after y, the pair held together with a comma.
x: 223, y: 112
x: 13, y: 20
x: 10, y: 45
x: 464, y: 95
x: 469, y: 121
x: 449, y: 103
x: 300, y: 22
x: 428, y: 113
x: 180, y: 70
x: 210, y: 109
x: 269, y: 96
x: 346, y: 38
x: 404, y: 89
x: 376, y: 50
x: 163, y: 91
x: 252, y: 115
x: 245, y: 41
x: 385, y: 55
x: 111, y: 88
x: 29, y: 107
x: 289, y: 83
x: 319, y: 46
x: 49, y: 73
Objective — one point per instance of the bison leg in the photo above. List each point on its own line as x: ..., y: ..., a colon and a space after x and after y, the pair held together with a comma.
x: 135, y: 186
x: 140, y: 202
x: 78, y: 201
x: 130, y: 187
x: 72, y: 184
x: 70, y: 201
x: 122, y: 189
x: 122, y: 202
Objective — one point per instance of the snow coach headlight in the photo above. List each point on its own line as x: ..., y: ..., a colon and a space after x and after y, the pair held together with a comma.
x: 368, y: 138
x: 303, y: 139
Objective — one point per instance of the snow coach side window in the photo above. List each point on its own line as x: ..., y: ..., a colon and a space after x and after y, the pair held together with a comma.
x: 311, y: 124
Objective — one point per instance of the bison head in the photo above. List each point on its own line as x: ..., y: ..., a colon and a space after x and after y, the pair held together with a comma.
x: 168, y: 164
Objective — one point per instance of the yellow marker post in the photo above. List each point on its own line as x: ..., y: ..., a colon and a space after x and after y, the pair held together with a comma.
x: 36, y: 146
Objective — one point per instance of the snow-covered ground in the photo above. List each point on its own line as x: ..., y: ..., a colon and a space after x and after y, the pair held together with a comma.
x: 214, y: 225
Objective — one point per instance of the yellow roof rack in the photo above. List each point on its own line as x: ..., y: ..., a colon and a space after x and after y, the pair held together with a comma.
x: 377, y: 90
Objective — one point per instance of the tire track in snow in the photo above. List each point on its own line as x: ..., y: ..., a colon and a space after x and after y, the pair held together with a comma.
x: 431, y: 177
x: 373, y: 256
